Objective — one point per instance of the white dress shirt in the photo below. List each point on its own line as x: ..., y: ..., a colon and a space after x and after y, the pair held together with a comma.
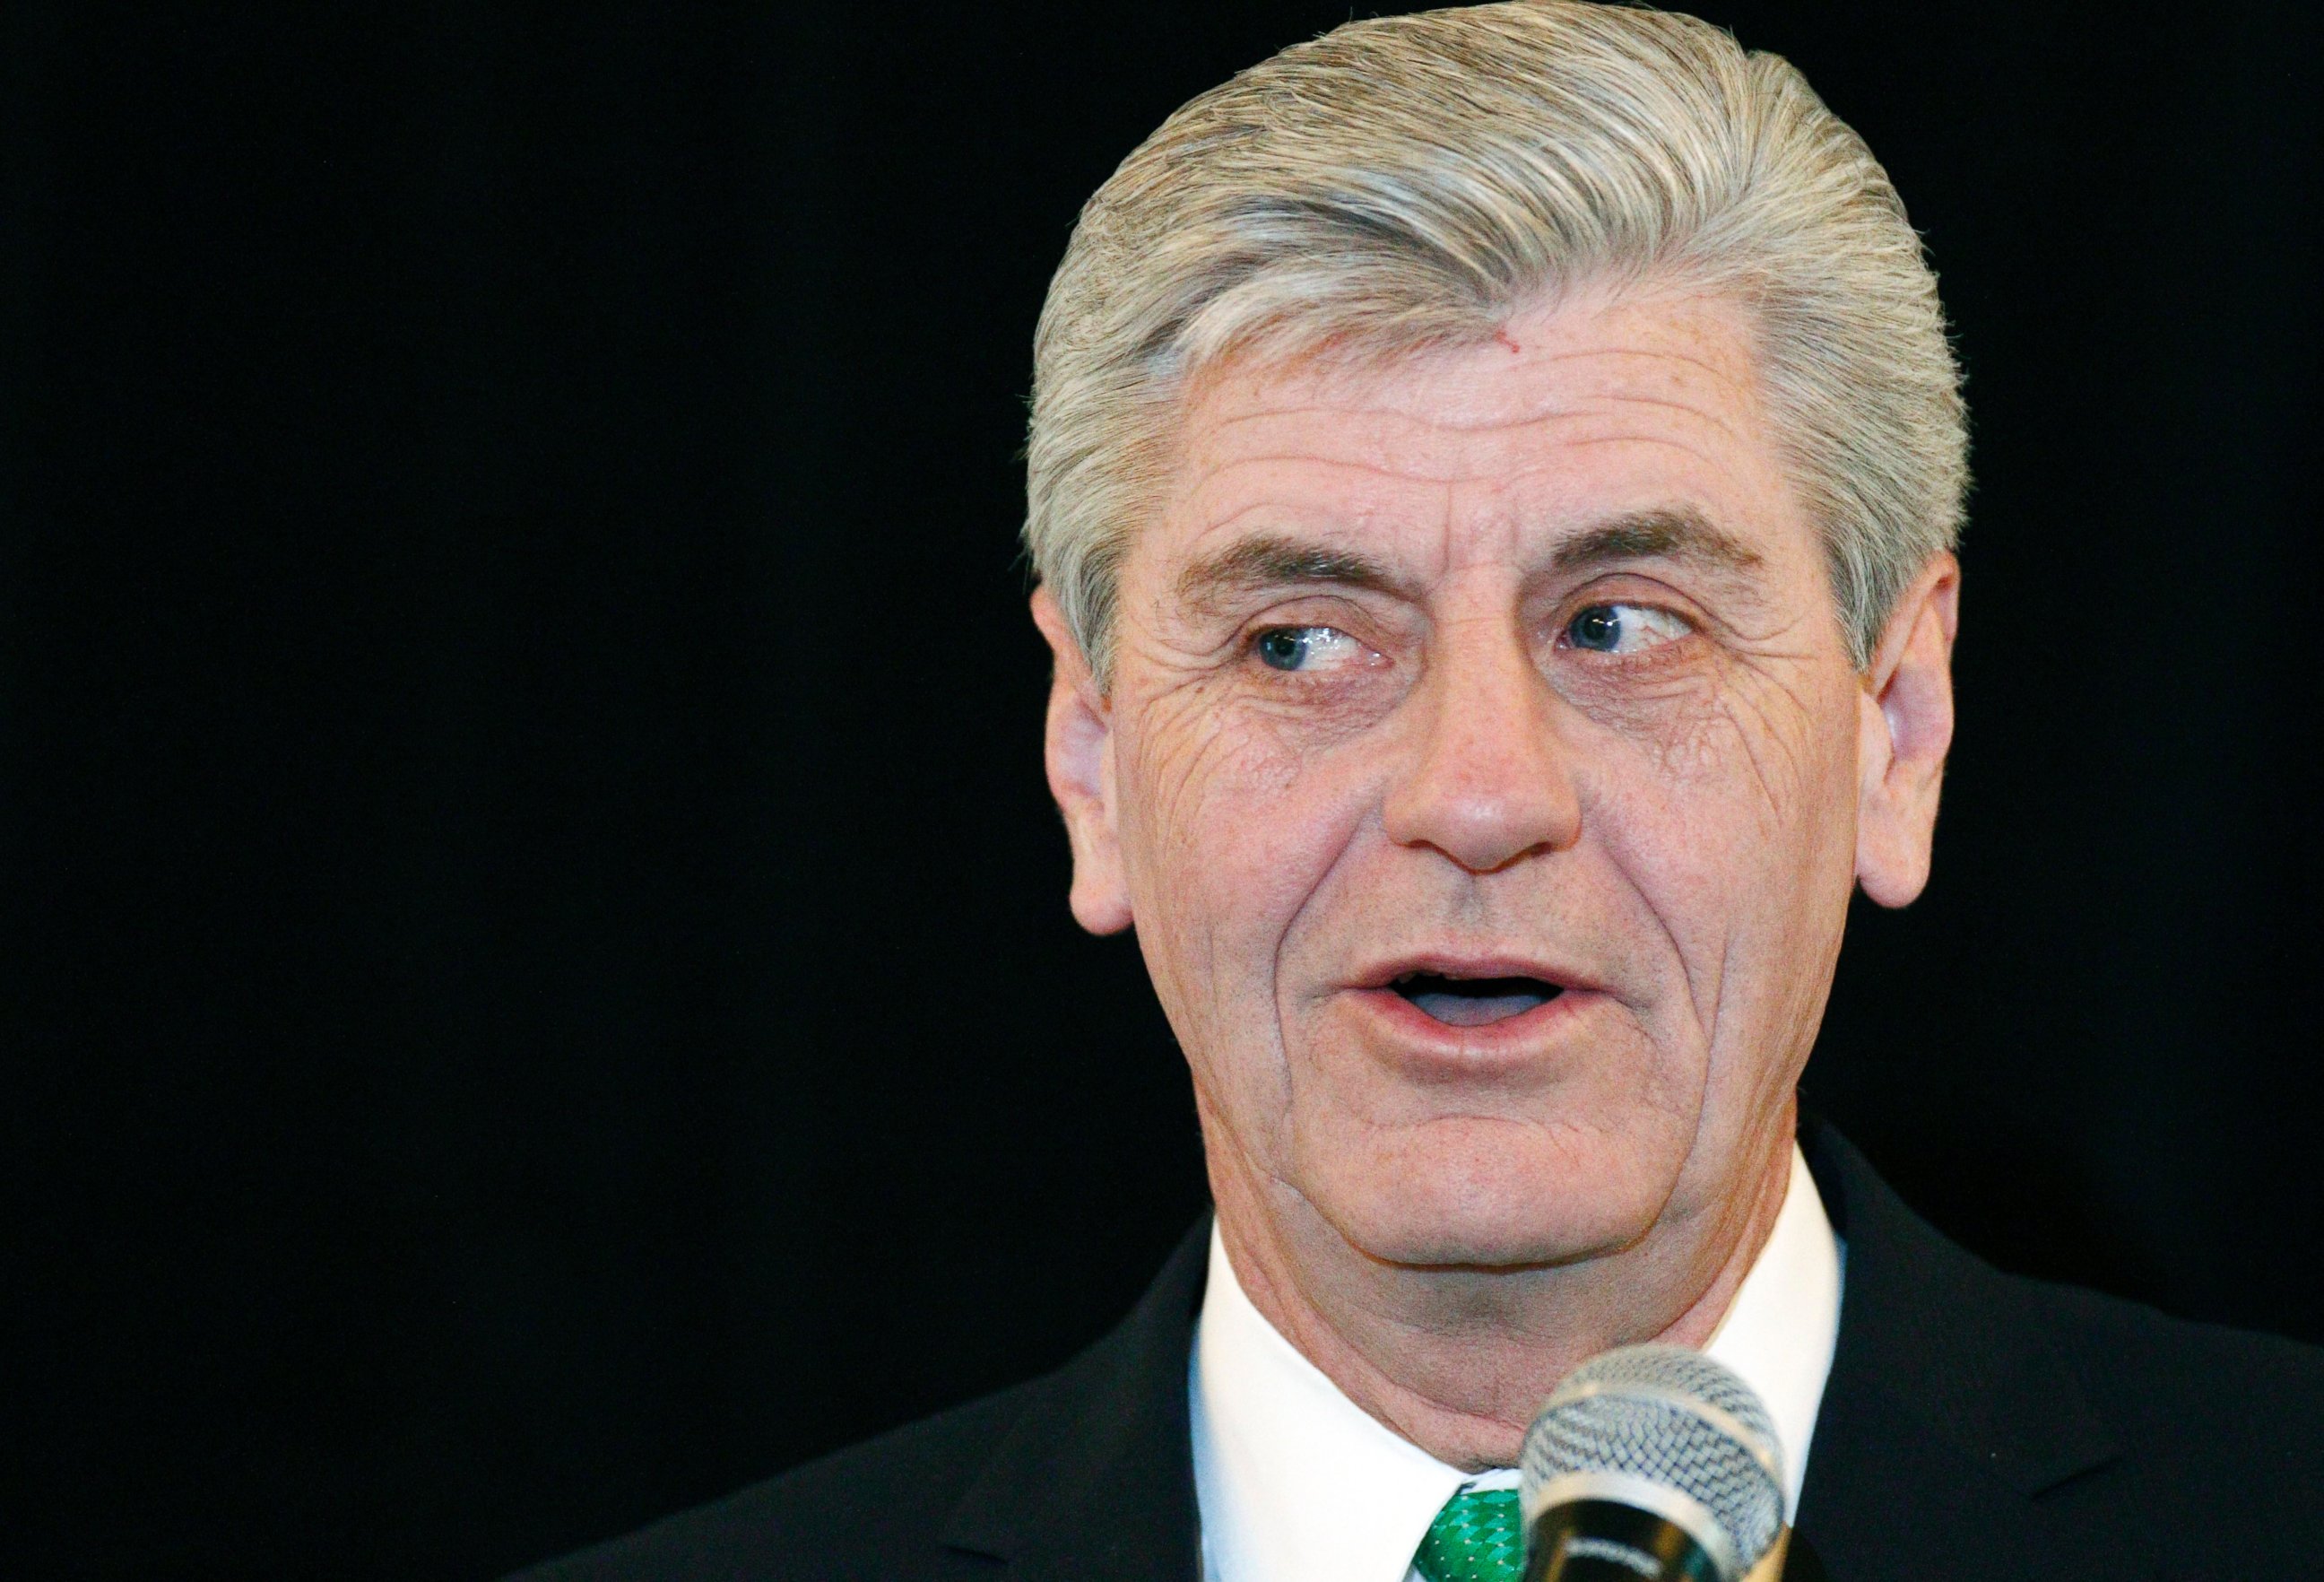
x: 1297, y: 1484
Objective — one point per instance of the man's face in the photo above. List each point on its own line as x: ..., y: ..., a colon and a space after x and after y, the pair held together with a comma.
x: 1480, y: 770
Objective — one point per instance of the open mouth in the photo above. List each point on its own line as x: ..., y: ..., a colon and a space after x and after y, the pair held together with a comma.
x: 1473, y: 1002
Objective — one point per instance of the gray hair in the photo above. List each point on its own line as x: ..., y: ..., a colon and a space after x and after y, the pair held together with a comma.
x: 1414, y: 181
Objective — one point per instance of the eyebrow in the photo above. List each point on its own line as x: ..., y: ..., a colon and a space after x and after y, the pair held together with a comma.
x: 1680, y: 534
x: 1268, y: 560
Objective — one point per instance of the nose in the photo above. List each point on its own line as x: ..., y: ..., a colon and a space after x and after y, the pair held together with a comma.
x: 1490, y: 779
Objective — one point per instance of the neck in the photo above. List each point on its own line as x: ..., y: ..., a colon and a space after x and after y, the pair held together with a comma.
x: 1458, y: 1361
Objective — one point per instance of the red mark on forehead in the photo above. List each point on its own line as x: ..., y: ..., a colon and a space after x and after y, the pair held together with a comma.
x: 1503, y: 337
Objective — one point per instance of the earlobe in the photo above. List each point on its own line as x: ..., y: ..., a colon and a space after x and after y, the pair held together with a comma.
x: 1079, y: 754
x: 1904, y: 730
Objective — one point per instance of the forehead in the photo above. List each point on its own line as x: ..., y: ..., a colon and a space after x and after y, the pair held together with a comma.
x: 1577, y: 411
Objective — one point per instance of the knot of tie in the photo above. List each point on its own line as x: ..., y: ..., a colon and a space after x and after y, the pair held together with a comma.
x: 1476, y: 1537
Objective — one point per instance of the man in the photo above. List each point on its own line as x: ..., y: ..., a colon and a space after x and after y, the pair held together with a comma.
x: 1493, y: 478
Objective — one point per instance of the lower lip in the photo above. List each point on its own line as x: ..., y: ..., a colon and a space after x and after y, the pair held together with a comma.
x: 1410, y: 1023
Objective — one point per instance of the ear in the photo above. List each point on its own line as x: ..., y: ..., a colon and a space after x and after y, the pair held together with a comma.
x: 1905, y: 728
x: 1079, y: 756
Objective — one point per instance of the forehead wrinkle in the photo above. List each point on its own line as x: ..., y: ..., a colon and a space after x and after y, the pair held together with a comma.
x: 1357, y: 386
x: 1220, y: 423
x: 1547, y: 478
x: 1564, y: 406
x: 1607, y: 406
x: 1438, y: 469
x: 1201, y: 478
x: 1543, y: 447
x: 1391, y: 456
x: 1553, y: 478
x: 1395, y: 396
x: 1208, y: 431
x: 1664, y: 441
x: 1388, y: 384
x: 1717, y: 369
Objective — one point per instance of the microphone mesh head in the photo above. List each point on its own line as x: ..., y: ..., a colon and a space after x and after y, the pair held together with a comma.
x: 1640, y: 1411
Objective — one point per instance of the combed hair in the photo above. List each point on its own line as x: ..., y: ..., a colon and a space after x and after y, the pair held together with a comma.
x: 1413, y: 182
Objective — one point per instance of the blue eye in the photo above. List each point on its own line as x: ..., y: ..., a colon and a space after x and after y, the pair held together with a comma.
x: 1598, y: 628
x: 1302, y: 648
x: 1623, y: 628
x: 1285, y: 648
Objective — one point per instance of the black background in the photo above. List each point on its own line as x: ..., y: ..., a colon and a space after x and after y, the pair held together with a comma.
x: 537, y: 983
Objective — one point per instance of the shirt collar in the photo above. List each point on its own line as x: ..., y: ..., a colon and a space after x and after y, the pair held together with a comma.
x: 1780, y: 1329
x: 1298, y: 1484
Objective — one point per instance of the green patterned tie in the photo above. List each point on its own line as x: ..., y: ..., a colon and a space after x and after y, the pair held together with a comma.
x: 1476, y: 1538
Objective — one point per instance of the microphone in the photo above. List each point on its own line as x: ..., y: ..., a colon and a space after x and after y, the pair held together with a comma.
x: 1652, y: 1464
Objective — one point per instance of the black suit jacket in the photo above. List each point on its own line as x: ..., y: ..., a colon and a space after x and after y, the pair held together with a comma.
x: 1975, y: 1426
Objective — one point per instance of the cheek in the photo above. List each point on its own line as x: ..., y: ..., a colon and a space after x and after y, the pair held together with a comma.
x: 1230, y: 823
x: 1731, y: 809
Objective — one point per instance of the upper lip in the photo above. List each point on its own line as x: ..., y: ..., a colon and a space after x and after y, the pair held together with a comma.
x: 1460, y: 964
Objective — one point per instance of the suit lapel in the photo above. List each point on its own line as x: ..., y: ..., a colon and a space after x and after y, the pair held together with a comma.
x: 1946, y: 1415
x: 1096, y: 1479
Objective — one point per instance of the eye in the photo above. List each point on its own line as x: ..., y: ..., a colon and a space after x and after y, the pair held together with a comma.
x: 1623, y: 628
x: 1305, y: 648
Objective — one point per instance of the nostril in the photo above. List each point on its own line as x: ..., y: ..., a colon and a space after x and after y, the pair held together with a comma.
x: 1486, y: 809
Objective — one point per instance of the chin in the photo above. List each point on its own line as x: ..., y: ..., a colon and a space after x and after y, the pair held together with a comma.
x: 1495, y: 1193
